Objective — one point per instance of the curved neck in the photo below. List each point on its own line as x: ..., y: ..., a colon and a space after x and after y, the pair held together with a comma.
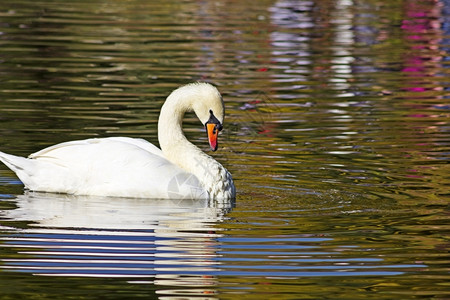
x: 170, y: 132
x: 174, y: 144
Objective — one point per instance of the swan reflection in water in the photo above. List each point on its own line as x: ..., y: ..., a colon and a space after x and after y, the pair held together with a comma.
x: 165, y: 242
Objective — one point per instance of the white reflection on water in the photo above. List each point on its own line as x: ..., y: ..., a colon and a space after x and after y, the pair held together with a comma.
x: 69, y: 211
x: 169, y: 241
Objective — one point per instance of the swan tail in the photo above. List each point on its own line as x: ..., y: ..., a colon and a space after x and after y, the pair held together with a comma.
x: 19, y: 165
x: 15, y: 163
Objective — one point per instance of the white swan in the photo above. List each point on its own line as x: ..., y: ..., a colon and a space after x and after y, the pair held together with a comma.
x: 129, y: 167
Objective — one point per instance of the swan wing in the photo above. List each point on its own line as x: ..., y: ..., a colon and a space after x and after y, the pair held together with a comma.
x: 123, y: 167
x: 141, y: 143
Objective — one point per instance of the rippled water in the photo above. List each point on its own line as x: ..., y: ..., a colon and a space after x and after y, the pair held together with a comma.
x: 336, y: 134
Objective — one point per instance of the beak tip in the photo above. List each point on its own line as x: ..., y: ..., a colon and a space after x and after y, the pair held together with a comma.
x: 213, y: 146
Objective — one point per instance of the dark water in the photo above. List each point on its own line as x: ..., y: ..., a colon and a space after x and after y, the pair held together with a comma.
x: 336, y: 134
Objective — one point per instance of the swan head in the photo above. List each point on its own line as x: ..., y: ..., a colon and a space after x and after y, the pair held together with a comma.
x: 204, y: 100
x: 207, y: 104
x: 209, y: 108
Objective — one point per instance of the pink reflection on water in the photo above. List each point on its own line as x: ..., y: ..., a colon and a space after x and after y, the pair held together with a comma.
x: 421, y: 28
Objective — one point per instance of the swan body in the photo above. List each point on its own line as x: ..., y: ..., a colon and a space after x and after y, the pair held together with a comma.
x: 130, y: 167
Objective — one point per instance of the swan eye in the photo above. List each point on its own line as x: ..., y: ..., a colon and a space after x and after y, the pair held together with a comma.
x: 213, y: 120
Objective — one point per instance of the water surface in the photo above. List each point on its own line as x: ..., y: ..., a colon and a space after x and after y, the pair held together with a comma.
x: 336, y: 134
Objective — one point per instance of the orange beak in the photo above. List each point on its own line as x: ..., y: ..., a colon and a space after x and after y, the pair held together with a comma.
x: 213, y: 132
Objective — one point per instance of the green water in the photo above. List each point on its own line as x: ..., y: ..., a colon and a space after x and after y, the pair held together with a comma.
x: 336, y: 135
